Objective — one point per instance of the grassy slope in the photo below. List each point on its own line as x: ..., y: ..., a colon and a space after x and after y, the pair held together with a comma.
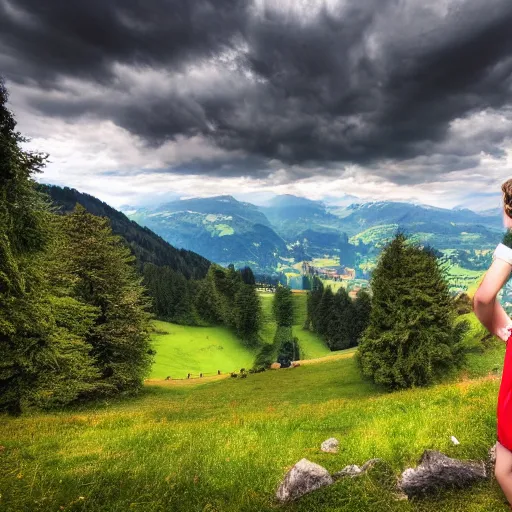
x: 197, y: 349
x: 208, y: 349
x: 225, y: 446
x: 311, y: 344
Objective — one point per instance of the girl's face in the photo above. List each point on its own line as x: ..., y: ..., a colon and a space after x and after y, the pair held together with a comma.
x: 507, y: 221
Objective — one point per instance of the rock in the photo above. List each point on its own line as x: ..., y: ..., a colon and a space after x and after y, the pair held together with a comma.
x: 354, y: 470
x: 492, y: 454
x: 437, y: 471
x: 295, y: 364
x: 275, y: 366
x: 351, y: 470
x: 330, y: 445
x: 369, y: 463
x: 304, y: 477
x: 491, y: 459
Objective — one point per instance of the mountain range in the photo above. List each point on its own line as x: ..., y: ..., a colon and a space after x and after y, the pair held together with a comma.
x: 289, y: 229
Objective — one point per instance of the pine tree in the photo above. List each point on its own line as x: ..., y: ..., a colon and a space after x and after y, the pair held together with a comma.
x: 247, y: 276
x: 411, y: 339
x: 361, y: 312
x: 313, y: 301
x: 44, y: 359
x: 104, y: 276
x: 248, y: 314
x: 324, y: 312
x: 206, y: 302
x: 282, y: 306
x: 340, y: 327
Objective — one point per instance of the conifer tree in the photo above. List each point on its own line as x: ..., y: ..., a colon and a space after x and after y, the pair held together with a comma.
x: 411, y: 339
x: 248, y: 314
x: 282, y: 306
x: 340, y: 327
x: 207, y: 302
x: 104, y: 276
x: 44, y: 359
x: 361, y: 314
x: 313, y: 301
x: 324, y: 312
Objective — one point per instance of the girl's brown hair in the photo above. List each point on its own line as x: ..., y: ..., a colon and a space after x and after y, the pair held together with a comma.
x: 506, y: 188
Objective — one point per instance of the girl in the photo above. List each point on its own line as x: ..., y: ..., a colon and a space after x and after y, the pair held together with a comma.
x: 492, y: 315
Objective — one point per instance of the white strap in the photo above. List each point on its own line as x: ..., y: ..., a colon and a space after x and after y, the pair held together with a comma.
x: 503, y: 252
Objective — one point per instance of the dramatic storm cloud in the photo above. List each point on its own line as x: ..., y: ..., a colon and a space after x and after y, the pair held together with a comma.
x: 376, y: 96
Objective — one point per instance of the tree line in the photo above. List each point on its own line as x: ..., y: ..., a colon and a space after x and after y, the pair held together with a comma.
x: 337, y: 318
x: 224, y: 297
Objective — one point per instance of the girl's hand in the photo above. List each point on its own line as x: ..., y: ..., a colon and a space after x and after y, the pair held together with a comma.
x: 504, y: 332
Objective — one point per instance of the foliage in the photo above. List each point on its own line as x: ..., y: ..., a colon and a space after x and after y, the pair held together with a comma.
x: 282, y: 306
x: 103, y: 275
x: 411, y: 337
x: 336, y: 317
x: 147, y: 246
x: 247, y: 308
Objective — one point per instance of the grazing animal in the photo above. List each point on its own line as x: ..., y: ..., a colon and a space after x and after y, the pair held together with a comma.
x: 235, y: 375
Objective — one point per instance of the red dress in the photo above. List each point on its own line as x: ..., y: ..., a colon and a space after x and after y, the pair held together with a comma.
x: 504, y: 408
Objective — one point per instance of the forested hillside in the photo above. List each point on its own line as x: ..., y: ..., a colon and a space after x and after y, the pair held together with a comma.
x: 146, y: 245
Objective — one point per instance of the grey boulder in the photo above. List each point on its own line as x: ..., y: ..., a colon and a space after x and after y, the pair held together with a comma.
x: 304, y: 477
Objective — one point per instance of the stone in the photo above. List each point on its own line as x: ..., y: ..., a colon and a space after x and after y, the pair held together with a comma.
x: 351, y: 470
x: 330, y: 445
x: 437, y: 471
x: 304, y: 477
x: 275, y: 366
x: 354, y: 469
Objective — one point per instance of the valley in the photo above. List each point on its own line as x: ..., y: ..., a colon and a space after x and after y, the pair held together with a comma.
x: 276, y: 239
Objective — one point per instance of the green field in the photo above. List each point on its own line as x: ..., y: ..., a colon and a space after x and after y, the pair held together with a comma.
x: 225, y: 446
x: 197, y: 350
x: 185, y: 349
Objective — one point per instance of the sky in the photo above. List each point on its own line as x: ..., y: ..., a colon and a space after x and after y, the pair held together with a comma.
x: 142, y: 102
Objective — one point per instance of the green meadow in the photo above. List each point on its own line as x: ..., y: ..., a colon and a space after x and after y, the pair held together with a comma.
x: 184, y: 349
x: 226, y: 445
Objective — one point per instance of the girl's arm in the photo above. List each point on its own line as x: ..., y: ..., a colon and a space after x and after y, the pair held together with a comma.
x: 485, y: 304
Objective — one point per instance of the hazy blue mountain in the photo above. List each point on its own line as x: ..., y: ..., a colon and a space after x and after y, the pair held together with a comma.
x: 147, y: 246
x: 291, y: 215
x: 221, y: 229
x: 291, y: 228
x: 224, y: 205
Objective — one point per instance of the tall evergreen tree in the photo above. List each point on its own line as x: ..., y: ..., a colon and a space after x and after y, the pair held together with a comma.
x: 313, y: 301
x: 282, y: 306
x: 325, y: 312
x: 44, y: 359
x: 340, y: 326
x: 104, y: 276
x: 247, y: 276
x: 411, y: 338
x: 361, y: 312
x: 248, y: 314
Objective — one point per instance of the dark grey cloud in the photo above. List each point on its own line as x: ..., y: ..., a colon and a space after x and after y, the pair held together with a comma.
x: 365, y: 81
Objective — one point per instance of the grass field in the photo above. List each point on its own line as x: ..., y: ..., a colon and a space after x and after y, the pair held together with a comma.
x: 205, y: 350
x: 225, y: 446
x: 197, y: 350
